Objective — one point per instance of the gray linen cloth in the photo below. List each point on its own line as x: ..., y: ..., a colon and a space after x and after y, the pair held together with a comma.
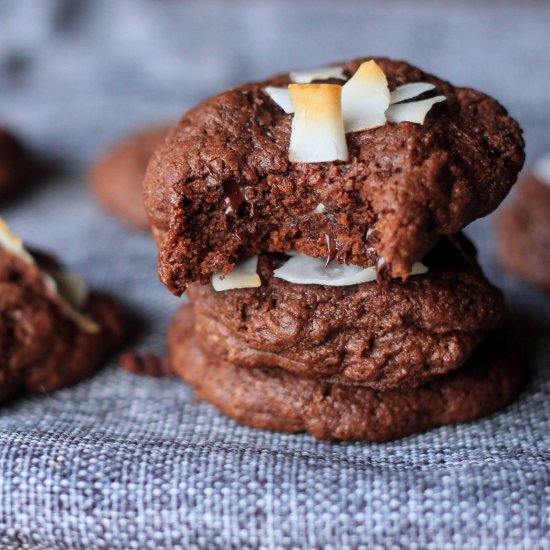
x: 122, y: 461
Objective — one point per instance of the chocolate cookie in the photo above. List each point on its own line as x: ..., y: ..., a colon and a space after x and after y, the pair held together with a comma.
x: 275, y: 399
x: 14, y: 164
x: 117, y: 177
x: 45, y: 341
x: 386, y: 334
x: 222, y: 186
x: 524, y: 232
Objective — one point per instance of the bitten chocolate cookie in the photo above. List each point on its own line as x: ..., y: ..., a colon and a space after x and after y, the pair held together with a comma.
x: 524, y: 230
x: 274, y: 399
x: 117, y: 177
x: 15, y: 165
x: 53, y: 332
x: 223, y: 186
x: 385, y: 333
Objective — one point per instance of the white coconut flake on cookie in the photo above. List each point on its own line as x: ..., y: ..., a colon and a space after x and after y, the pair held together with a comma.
x: 321, y: 73
x: 10, y: 241
x: 317, y: 127
x: 74, y: 293
x: 324, y: 113
x: 541, y: 169
x: 419, y: 268
x: 414, y: 111
x: 71, y: 286
x: 365, y: 98
x: 281, y: 96
x: 410, y: 91
x: 304, y: 270
x: 244, y: 275
x: 320, y: 208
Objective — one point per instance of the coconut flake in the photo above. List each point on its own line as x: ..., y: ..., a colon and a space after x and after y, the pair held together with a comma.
x: 408, y: 91
x: 541, y: 169
x: 418, y: 268
x: 244, y: 275
x: 281, y: 96
x: 365, y: 98
x: 71, y: 286
x: 317, y: 127
x: 303, y: 270
x: 322, y: 73
x: 74, y: 293
x: 415, y: 111
x: 10, y: 241
x: 320, y: 208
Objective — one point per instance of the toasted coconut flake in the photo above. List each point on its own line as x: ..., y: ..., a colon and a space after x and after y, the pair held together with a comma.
x: 317, y: 127
x: 541, y: 169
x: 408, y: 91
x: 322, y: 73
x: 365, y: 98
x: 415, y: 111
x: 244, y: 275
x: 419, y: 268
x: 10, y: 241
x: 281, y: 96
x: 303, y: 270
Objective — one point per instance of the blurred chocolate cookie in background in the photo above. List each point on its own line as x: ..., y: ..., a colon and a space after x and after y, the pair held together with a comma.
x: 524, y: 228
x: 54, y: 330
x: 116, y: 178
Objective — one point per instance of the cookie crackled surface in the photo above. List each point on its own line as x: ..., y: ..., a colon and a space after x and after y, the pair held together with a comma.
x: 222, y: 186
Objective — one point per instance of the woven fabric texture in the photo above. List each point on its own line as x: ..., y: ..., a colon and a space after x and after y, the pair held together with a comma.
x: 128, y: 462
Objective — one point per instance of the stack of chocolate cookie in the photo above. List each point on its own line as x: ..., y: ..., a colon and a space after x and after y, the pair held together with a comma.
x: 314, y: 219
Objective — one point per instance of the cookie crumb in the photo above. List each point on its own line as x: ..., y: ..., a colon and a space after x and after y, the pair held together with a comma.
x: 146, y: 364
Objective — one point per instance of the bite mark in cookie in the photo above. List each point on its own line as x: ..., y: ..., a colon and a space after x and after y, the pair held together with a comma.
x: 408, y: 182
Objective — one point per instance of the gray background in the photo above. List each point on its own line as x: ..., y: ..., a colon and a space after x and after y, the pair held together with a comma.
x: 123, y: 461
